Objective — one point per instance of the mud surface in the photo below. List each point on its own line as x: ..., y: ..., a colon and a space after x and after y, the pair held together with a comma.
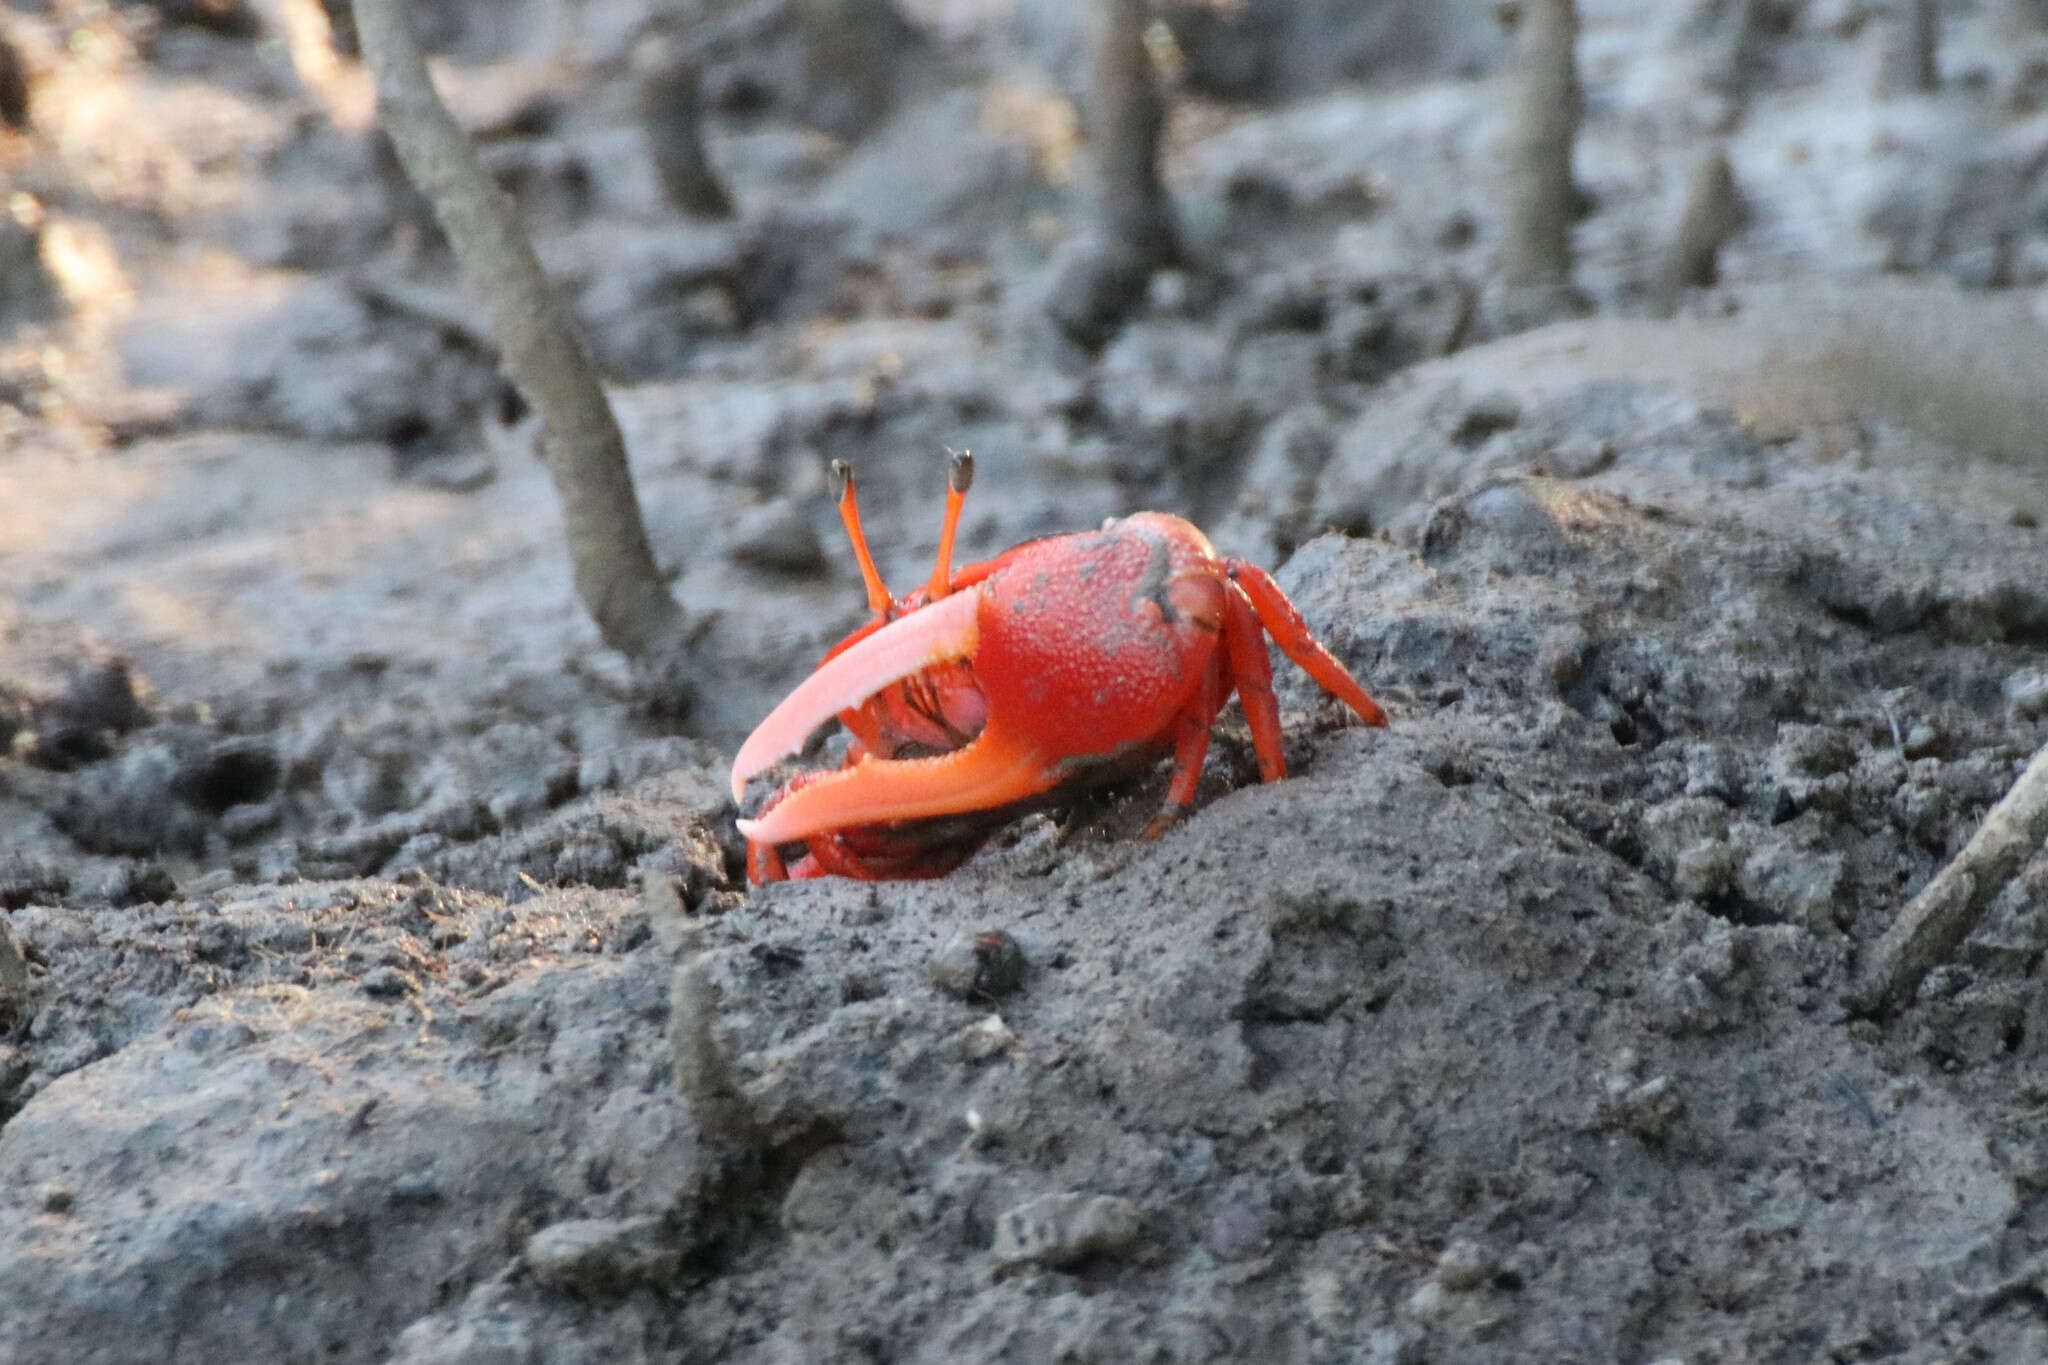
x: 371, y: 928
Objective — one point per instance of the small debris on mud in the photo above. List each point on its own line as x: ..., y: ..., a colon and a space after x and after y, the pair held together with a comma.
x: 604, y: 1257
x: 978, y: 967
x: 1062, y: 1230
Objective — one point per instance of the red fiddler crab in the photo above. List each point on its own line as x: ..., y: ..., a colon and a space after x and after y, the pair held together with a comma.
x: 1060, y: 662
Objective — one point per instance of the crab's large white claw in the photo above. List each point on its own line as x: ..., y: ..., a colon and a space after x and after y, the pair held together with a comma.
x: 942, y: 632
x: 993, y: 770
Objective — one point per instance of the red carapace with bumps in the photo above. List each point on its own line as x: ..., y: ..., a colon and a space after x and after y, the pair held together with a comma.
x: 973, y: 697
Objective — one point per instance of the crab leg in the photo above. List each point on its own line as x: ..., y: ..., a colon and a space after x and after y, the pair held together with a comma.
x: 946, y: 630
x: 1283, y: 622
x: 1244, y: 646
x: 1191, y: 745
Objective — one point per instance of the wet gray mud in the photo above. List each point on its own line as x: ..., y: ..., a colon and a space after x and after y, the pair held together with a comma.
x: 351, y: 879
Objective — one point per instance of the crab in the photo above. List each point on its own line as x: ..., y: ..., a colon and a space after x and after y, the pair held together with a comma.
x: 988, y: 691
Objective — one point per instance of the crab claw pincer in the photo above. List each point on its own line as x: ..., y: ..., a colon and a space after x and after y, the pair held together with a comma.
x: 988, y: 771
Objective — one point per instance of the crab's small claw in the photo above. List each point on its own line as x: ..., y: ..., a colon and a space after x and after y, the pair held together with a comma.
x: 944, y: 631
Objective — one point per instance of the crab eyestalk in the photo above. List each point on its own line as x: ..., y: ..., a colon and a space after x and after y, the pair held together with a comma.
x: 959, y: 478
x: 849, y: 513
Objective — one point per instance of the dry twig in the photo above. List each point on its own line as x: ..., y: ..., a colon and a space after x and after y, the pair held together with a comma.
x: 1133, y: 233
x: 698, y: 1058
x: 613, y: 564
x: 702, y: 1067
x: 1545, y: 106
x: 675, y: 136
x: 1935, y: 922
x: 1712, y: 214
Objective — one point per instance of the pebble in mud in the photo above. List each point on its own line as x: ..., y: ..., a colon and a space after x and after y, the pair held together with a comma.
x: 387, y: 983
x: 1922, y: 741
x: 1060, y: 1230
x: 978, y: 966
x: 1465, y: 1265
x: 1792, y: 884
x: 1706, y: 868
x: 602, y: 1257
x: 2026, y: 692
x: 987, y: 1038
x: 1646, y: 1110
